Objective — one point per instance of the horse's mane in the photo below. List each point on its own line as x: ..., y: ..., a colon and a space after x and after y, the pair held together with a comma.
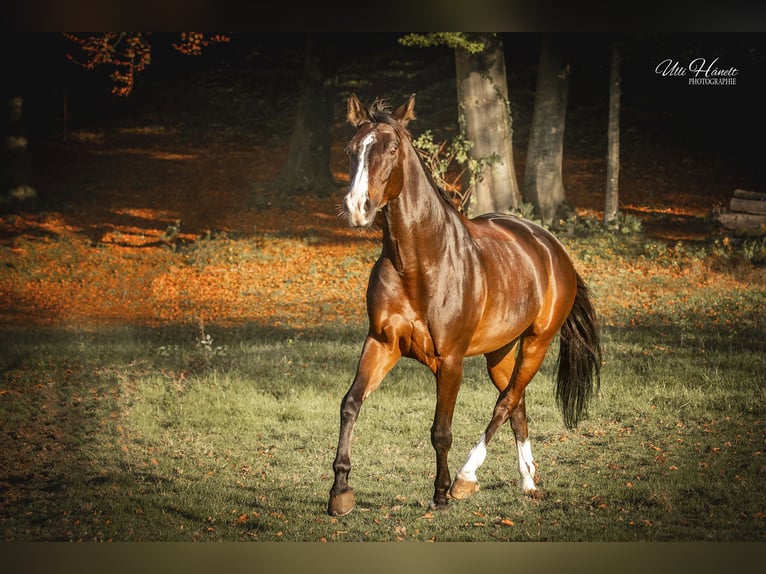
x: 381, y: 112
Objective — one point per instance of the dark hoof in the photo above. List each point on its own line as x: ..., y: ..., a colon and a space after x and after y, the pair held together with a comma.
x: 341, y: 504
x: 438, y: 505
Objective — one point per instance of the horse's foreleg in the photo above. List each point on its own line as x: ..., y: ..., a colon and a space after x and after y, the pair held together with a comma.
x: 448, y: 378
x: 376, y: 360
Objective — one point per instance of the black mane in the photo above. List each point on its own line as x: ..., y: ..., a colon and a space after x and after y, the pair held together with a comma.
x: 380, y: 111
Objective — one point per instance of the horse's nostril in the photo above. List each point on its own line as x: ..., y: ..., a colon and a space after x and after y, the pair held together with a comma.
x: 367, y: 205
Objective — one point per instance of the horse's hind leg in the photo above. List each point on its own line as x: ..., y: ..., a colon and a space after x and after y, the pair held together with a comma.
x: 527, y: 464
x: 500, y: 366
x: 510, y: 405
x: 466, y: 482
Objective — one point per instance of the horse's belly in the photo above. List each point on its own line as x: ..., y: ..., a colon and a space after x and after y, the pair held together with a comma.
x: 502, y: 324
x: 493, y: 338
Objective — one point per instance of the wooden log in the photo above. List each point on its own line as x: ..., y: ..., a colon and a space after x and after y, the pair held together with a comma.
x: 744, y: 194
x: 748, y: 205
x: 742, y: 220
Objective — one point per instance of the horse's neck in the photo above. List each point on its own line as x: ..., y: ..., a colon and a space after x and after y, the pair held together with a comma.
x: 419, y: 223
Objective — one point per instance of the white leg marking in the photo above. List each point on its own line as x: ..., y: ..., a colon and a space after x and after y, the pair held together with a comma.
x: 357, y: 195
x: 526, y: 465
x: 474, y: 460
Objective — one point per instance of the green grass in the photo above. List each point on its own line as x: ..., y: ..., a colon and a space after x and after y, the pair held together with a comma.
x: 138, y: 434
x: 173, y: 434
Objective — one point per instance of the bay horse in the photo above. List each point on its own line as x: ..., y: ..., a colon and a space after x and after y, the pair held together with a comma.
x: 446, y: 287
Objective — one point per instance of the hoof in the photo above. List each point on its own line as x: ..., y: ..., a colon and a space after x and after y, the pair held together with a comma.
x: 463, y: 488
x: 341, y: 504
x: 534, y: 494
x: 433, y: 505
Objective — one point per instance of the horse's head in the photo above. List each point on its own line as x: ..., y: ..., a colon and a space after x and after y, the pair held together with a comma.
x: 376, y: 158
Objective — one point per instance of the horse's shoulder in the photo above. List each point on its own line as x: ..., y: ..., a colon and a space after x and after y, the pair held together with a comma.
x: 384, y: 276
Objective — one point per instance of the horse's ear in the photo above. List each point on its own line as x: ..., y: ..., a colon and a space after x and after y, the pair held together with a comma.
x: 356, y: 112
x: 406, y: 111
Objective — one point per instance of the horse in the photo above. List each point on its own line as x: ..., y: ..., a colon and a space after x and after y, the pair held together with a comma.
x: 446, y: 287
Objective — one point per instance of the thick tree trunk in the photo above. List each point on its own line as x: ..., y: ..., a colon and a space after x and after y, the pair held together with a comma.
x: 482, y: 90
x: 543, y: 183
x: 612, y: 203
x: 307, y: 169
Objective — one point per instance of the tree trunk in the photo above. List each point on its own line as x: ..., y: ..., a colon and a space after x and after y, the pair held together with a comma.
x: 17, y: 191
x: 543, y: 183
x: 612, y: 204
x: 482, y: 90
x: 307, y: 169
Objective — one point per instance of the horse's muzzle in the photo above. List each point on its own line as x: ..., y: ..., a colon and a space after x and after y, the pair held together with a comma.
x: 359, y: 213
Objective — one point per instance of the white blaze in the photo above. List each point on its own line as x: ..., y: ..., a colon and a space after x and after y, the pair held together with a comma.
x: 356, y: 198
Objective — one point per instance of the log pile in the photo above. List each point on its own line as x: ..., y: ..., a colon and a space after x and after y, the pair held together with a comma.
x: 747, y: 212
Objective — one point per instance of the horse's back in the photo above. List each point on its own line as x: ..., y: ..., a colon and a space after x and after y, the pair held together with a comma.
x: 512, y: 227
x: 531, y: 281
x: 520, y: 237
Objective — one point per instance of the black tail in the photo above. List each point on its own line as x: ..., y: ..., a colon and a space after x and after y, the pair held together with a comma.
x: 579, y: 361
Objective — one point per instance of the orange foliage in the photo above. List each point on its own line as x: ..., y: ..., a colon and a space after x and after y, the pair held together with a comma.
x: 291, y: 262
x: 131, y: 52
x: 58, y: 276
x: 192, y: 43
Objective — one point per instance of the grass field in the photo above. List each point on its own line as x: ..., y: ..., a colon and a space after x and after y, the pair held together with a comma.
x: 198, y: 431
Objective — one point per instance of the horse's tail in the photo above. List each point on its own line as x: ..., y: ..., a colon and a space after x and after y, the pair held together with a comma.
x: 579, y: 360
